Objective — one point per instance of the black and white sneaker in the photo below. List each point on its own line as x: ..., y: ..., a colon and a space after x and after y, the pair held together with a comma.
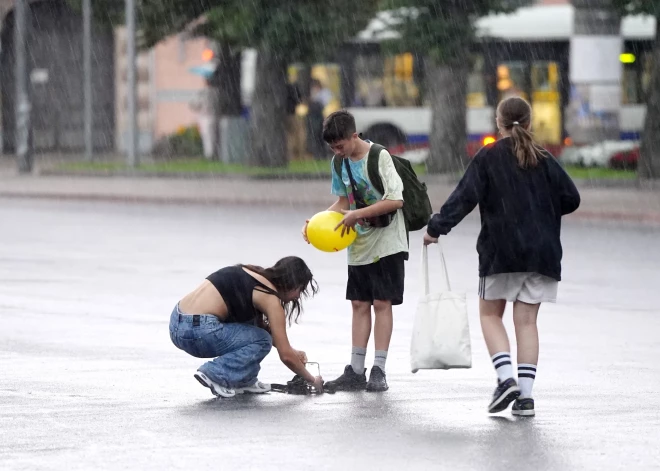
x: 523, y: 407
x: 256, y: 388
x: 377, y: 381
x: 215, y: 388
x: 349, y: 381
x: 506, y: 392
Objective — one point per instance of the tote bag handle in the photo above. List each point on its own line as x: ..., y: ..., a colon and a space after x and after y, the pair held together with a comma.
x: 425, y: 269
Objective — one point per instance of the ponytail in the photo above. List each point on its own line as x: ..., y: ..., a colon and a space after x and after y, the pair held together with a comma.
x: 527, y: 151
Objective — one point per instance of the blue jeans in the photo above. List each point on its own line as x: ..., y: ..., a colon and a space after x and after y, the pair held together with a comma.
x: 239, y: 348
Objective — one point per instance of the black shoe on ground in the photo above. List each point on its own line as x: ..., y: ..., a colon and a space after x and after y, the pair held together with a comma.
x: 377, y: 381
x: 523, y: 407
x: 349, y: 381
x: 506, y: 392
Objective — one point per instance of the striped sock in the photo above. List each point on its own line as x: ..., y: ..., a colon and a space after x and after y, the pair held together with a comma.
x: 379, y: 360
x: 502, y: 364
x: 526, y: 376
x: 357, y: 359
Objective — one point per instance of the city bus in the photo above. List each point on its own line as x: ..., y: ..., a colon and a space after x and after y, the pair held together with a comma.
x: 524, y: 53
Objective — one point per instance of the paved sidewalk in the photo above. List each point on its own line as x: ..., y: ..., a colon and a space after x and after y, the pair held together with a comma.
x: 621, y: 204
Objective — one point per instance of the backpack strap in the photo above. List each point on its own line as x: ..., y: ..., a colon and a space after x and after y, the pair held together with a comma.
x: 372, y: 167
x: 336, y: 164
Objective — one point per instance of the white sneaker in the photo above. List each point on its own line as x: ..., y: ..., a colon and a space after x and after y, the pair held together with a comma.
x: 257, y: 388
x: 215, y: 388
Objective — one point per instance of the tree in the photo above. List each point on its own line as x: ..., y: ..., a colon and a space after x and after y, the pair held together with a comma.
x: 649, y: 162
x: 283, y: 32
x: 444, y: 32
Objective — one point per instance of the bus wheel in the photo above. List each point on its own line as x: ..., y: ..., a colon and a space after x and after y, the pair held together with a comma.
x: 386, y: 135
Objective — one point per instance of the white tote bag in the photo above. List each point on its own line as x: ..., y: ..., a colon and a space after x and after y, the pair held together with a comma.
x: 441, y: 332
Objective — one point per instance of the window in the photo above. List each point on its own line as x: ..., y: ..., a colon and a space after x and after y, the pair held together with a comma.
x: 398, y: 82
x: 647, y: 68
x: 511, y: 80
x: 476, y: 97
x: 385, y: 81
x: 635, y: 78
x: 630, y: 85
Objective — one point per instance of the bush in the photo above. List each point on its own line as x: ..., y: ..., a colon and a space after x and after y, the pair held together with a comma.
x: 185, y: 142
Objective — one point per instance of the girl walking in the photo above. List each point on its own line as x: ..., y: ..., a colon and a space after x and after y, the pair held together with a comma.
x: 522, y: 193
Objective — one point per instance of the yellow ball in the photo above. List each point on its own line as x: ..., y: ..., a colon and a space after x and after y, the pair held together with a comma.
x: 322, y: 234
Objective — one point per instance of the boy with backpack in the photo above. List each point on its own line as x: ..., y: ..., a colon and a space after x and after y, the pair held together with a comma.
x: 369, y: 184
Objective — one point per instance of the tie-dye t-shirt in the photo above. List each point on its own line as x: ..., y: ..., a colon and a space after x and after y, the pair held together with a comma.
x: 373, y: 243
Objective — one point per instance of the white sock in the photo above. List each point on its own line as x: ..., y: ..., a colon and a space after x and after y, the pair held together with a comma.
x: 526, y: 376
x: 357, y: 359
x: 380, y: 358
x: 502, y: 364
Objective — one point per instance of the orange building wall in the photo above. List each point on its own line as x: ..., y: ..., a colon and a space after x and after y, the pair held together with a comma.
x: 174, y: 86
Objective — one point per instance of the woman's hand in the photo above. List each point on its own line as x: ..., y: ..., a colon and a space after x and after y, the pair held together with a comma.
x: 302, y: 355
x: 318, y: 384
x: 430, y: 240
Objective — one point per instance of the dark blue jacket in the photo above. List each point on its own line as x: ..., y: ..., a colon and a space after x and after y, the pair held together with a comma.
x: 520, y: 209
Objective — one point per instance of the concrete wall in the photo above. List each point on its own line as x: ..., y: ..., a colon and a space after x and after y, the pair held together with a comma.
x: 54, y: 58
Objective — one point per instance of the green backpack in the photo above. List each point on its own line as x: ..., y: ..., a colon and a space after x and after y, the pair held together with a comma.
x: 417, y: 206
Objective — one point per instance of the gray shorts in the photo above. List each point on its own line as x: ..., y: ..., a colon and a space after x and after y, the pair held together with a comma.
x: 530, y: 288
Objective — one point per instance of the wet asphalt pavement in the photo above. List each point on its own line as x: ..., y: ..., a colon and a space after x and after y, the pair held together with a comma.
x: 90, y: 380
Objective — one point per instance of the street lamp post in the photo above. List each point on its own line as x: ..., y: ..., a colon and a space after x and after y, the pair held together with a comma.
x: 131, y: 134
x: 87, y: 80
x: 22, y: 99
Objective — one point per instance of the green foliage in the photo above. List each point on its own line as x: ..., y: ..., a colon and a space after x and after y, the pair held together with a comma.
x: 293, y: 29
x: 635, y: 7
x: 304, y: 30
x: 185, y: 142
x: 156, y: 19
x: 442, y: 31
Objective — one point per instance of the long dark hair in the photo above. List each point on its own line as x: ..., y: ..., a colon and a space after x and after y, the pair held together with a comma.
x: 515, y: 115
x: 289, y: 274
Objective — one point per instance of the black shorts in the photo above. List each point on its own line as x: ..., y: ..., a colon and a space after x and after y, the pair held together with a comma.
x: 379, y: 281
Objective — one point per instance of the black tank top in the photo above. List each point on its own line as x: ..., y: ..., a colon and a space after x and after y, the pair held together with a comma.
x: 235, y: 286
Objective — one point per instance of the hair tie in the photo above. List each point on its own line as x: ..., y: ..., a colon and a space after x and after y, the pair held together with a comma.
x: 516, y: 123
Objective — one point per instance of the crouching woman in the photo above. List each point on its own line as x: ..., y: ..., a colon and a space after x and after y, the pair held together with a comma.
x: 235, y: 316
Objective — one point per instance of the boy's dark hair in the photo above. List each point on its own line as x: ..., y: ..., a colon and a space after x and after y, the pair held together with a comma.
x: 338, y: 126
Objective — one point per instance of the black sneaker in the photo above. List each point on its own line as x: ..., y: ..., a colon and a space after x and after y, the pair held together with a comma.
x: 523, y: 407
x: 377, y: 381
x: 349, y: 381
x: 505, y: 392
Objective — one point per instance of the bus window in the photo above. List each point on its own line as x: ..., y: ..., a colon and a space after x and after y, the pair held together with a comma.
x: 630, y: 85
x: 369, y: 81
x: 636, y: 77
x: 647, y: 67
x: 385, y: 81
x: 476, y: 97
x: 546, y: 104
x: 328, y: 75
x: 511, y: 80
x: 398, y: 82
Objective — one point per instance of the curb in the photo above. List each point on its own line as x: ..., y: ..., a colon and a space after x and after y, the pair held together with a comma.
x: 184, y: 175
x: 649, y: 217
x: 167, y: 200
x: 632, y: 183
